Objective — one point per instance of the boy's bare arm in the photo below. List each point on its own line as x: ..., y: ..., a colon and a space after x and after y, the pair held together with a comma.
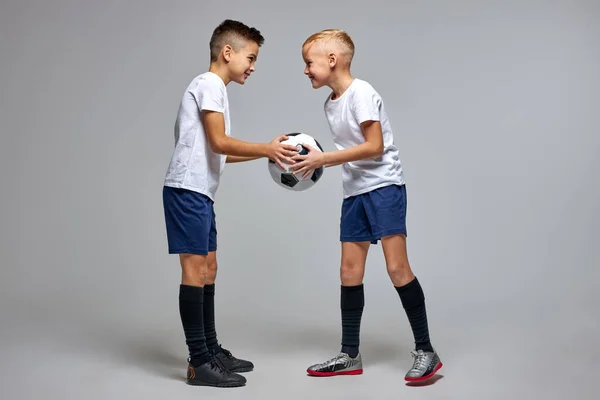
x: 371, y: 148
x: 237, y: 159
x: 220, y: 143
x: 214, y: 125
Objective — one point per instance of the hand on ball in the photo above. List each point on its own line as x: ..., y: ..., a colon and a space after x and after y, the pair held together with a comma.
x: 281, y: 153
x: 306, y: 164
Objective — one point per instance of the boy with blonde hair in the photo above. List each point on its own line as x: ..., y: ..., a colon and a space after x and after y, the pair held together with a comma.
x: 203, y: 144
x: 374, y: 204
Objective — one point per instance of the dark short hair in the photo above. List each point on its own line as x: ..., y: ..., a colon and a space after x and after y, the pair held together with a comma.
x: 232, y: 32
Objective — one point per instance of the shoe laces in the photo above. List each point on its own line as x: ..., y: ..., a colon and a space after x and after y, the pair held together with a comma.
x: 420, y: 359
x: 333, y: 360
x: 213, y: 363
x: 216, y: 364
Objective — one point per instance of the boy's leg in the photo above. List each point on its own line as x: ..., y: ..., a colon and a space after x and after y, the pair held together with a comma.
x: 387, y: 208
x: 426, y: 360
x: 209, y: 302
x: 228, y: 360
x: 186, y: 215
x: 352, y: 298
x: 191, y: 298
x: 355, y: 236
x: 408, y: 287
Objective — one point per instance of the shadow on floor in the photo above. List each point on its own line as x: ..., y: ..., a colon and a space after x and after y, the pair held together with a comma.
x: 155, y: 356
x: 152, y: 352
x: 374, y: 350
x: 163, y: 352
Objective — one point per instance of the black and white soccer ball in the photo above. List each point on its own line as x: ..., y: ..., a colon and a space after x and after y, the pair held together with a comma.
x: 286, y: 178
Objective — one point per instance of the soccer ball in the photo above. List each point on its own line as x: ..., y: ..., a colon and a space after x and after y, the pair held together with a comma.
x: 286, y: 178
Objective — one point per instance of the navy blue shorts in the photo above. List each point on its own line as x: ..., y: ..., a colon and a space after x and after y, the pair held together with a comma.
x: 370, y: 216
x: 190, y: 220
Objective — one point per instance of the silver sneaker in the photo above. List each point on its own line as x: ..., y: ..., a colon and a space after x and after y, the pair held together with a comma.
x: 342, y: 364
x: 425, y: 365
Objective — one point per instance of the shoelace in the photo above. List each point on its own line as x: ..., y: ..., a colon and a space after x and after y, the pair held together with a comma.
x: 332, y: 360
x: 420, y: 360
x: 216, y: 365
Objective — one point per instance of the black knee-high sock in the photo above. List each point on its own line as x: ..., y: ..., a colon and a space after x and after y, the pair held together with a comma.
x: 413, y: 301
x: 352, y: 303
x: 209, y: 318
x: 191, y: 299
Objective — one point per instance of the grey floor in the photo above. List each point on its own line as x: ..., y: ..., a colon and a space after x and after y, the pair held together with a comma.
x: 48, y: 354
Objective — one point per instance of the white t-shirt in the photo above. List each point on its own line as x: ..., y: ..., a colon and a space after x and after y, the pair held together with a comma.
x: 359, y: 103
x: 194, y: 166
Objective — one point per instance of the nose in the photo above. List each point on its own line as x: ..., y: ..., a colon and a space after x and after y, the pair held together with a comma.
x: 305, y: 70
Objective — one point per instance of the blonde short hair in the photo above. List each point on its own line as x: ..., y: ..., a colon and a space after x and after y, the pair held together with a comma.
x: 337, y: 36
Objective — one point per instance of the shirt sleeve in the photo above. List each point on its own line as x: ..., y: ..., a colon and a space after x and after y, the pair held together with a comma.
x: 210, y: 96
x: 366, y: 104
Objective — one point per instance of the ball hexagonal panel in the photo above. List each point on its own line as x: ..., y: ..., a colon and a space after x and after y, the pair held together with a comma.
x: 289, y: 179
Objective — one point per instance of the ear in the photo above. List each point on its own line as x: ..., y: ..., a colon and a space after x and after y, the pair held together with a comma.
x: 332, y: 59
x: 227, y: 52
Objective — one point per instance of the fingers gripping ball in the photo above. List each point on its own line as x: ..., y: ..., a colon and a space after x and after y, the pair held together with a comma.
x: 286, y: 178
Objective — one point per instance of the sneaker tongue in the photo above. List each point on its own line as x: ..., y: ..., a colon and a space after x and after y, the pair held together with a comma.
x: 227, y: 352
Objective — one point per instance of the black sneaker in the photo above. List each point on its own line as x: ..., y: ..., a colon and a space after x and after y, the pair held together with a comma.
x: 212, y: 373
x: 230, y: 362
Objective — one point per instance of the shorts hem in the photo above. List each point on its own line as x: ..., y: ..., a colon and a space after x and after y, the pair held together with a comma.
x: 356, y: 238
x: 390, y: 232
x: 373, y: 238
x: 200, y: 252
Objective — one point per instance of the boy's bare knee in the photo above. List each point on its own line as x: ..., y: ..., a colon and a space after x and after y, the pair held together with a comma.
x: 351, y: 274
x: 212, y: 266
x: 398, y: 267
x: 400, y: 273
x: 211, y: 273
x: 193, y: 269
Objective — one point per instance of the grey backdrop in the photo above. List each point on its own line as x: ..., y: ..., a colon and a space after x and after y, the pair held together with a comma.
x: 494, y: 108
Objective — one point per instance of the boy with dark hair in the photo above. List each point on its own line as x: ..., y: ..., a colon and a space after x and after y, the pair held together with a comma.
x: 203, y: 144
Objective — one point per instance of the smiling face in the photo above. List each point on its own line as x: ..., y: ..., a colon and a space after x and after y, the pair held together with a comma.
x: 327, y: 57
x: 318, y: 64
x: 233, y: 50
x: 241, y: 61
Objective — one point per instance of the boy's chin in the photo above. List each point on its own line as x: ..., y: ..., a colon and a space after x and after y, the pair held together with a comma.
x: 240, y: 80
x: 315, y: 84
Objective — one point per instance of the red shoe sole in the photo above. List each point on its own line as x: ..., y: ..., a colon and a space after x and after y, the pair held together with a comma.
x: 424, y: 378
x: 315, y: 373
